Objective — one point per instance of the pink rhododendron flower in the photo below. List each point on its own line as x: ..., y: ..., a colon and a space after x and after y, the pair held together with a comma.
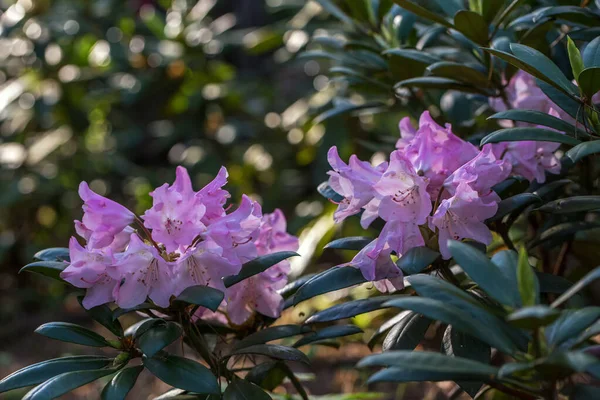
x: 407, y: 133
x: 119, y: 242
x: 88, y: 270
x: 353, y: 181
x: 481, y: 173
x: 176, y: 214
x: 103, y: 219
x: 403, y: 193
x: 144, y: 273
x: 213, y: 197
x: 462, y: 216
x: 435, y: 152
x: 376, y: 265
x: 522, y: 92
x: 260, y: 292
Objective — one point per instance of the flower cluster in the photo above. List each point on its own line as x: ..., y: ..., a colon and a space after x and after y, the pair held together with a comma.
x: 186, y: 239
x: 435, y: 182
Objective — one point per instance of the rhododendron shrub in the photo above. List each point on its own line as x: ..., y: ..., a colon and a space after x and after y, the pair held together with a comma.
x: 477, y: 216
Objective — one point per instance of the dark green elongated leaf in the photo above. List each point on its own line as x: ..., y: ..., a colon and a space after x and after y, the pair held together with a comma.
x: 423, y: 12
x: 589, y: 333
x: 68, y: 332
x: 386, y: 326
x: 533, y: 317
x: 182, y: 373
x: 429, y: 37
x: 539, y: 69
x: 117, y: 312
x: 104, y: 315
x: 441, y: 311
x: 51, y: 269
x: 408, y: 63
x: 53, y: 254
x: 567, y: 103
x: 462, y: 72
x: 545, y: 66
x: 292, y: 287
x: 540, y: 118
x: 589, y: 81
x: 575, y: 58
x: 329, y: 281
x: 349, y: 309
x: 509, y: 369
x: 551, y: 187
x: 490, y: 9
x: 349, y: 243
x: 458, y: 344
x: 435, y: 82
x: 121, y: 383
x: 295, y: 381
x: 450, y: 7
x: 355, y: 77
x: 136, y: 330
x: 522, y: 134
x: 275, y: 351
x: 330, y: 332
x: 584, y: 392
x: 204, y: 296
x: 472, y: 25
x: 267, y: 375
x: 583, y: 150
x: 591, y: 53
x: 340, y: 109
x: 562, y: 364
x: 66, y: 382
x: 552, y: 284
x: 158, y: 337
x: 563, y: 230
x: 401, y: 375
x: 42, y: 371
x: 257, y: 266
x: 571, y: 324
x: 407, y: 333
x: 482, y: 271
x: 272, y: 333
x: 529, y: 287
x: 334, y: 10
x: 507, y: 261
x: 572, y: 204
x: 417, y: 259
x: 517, y: 202
x: 429, y: 361
x: 240, y: 389
x: 413, y: 55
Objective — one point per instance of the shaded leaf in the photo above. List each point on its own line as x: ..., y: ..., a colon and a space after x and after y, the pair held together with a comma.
x: 257, y: 266
x: 272, y: 333
x: 423, y: 12
x: 51, y: 269
x: 589, y: 81
x: 472, y: 25
x: 582, y: 150
x: 417, y: 259
x: 240, y: 389
x: 201, y: 295
x: 182, y: 373
x: 572, y: 204
x: 328, y: 281
x: 330, y: 332
x: 121, y: 383
x: 275, y: 351
x: 104, y: 315
x: 591, y: 53
x: 526, y: 134
x: 158, y: 337
x: 66, y: 382
x: 349, y: 309
x: 540, y: 118
x: 349, y: 243
x: 68, y: 332
x: 53, y: 254
x: 407, y: 333
x: 571, y: 324
x: 517, y: 202
x: 533, y: 317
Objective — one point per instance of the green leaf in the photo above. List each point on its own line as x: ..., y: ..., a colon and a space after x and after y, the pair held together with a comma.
x: 408, y: 63
x: 407, y: 333
x: 533, y: 317
x: 328, y: 281
x: 540, y: 118
x: 349, y: 243
x: 295, y: 381
x: 552, y: 284
x: 42, y: 371
x: 578, y: 15
x: 201, y: 295
x: 461, y: 72
x: 487, y: 275
x: 348, y: 309
x: 267, y: 375
x: 583, y: 150
x: 240, y: 389
x: 68, y: 332
x: 136, y: 330
x: 572, y: 204
x: 386, y: 326
x: 423, y: 12
x: 117, y: 312
x: 438, y: 310
x: 64, y: 383
x: 572, y: 107
x: 417, y: 259
x: 182, y: 373
x: 472, y: 25
x: 541, y: 67
x: 589, y: 81
x: 525, y: 134
x: 571, y: 324
x: 330, y: 332
x: 275, y: 351
x: 458, y: 344
x: 104, y: 315
x: 574, y: 58
x: 53, y: 254
x: 340, y: 109
x: 121, y: 383
x: 561, y: 231
x: 334, y: 10
x: 402, y: 375
x: 489, y: 9
x: 257, y: 266
x: 516, y: 202
x: 562, y: 364
x: 272, y: 333
x: 591, y: 53
x: 158, y: 337
x: 529, y: 287
x: 454, y: 367
x: 51, y: 269
x: 437, y: 83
